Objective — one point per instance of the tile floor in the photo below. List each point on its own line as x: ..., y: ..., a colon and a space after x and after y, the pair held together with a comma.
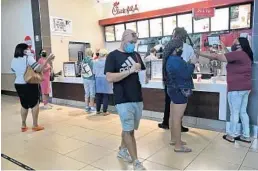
x: 75, y: 141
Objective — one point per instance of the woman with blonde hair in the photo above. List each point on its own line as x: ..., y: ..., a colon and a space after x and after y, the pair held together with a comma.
x: 88, y: 80
x: 103, y: 87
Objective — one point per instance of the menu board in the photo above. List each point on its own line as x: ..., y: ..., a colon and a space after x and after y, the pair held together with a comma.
x: 220, y: 21
x: 156, y: 27
x: 110, y: 33
x: 119, y: 30
x: 69, y: 69
x: 156, y: 69
x: 169, y: 24
x: 201, y: 25
x: 185, y: 20
x: 240, y: 16
x: 143, y: 28
x: 131, y: 26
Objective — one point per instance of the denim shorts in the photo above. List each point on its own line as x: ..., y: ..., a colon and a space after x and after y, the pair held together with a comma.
x: 130, y: 115
x: 89, y: 88
x: 176, y: 96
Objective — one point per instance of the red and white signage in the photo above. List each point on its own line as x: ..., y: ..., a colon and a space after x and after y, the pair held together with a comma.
x: 130, y: 9
x: 203, y: 12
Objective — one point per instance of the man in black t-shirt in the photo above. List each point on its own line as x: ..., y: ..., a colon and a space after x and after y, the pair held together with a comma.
x: 122, y: 67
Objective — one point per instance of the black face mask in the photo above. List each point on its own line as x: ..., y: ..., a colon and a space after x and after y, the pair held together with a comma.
x: 234, y: 47
x: 97, y: 54
x: 44, y: 54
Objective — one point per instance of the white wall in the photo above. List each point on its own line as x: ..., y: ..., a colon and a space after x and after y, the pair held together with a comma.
x: 16, y: 24
x: 84, y: 15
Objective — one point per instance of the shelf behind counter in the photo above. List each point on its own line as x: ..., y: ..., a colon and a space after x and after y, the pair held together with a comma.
x: 209, y: 100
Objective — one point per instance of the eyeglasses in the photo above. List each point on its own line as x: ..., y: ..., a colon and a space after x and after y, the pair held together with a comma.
x: 135, y: 35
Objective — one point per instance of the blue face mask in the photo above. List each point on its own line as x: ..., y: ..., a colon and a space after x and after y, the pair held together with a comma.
x: 129, y: 47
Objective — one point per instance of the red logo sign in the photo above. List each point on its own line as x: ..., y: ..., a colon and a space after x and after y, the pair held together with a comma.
x: 130, y: 9
x: 203, y: 12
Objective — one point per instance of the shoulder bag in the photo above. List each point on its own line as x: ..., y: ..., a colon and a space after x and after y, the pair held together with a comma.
x: 31, y: 76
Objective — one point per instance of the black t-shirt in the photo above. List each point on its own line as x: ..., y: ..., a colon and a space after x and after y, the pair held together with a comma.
x: 128, y: 89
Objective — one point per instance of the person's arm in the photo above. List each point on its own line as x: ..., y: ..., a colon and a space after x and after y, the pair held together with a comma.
x: 36, y: 66
x: 219, y: 57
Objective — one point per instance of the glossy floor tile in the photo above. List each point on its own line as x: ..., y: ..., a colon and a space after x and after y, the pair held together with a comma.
x: 74, y: 140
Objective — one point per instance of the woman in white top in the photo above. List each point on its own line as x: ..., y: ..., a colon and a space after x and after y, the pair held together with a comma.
x: 28, y: 93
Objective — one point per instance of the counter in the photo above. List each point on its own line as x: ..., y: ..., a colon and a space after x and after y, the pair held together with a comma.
x: 209, y: 100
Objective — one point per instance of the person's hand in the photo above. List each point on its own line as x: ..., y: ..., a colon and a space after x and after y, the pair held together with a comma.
x: 193, y: 61
x: 51, y: 57
x: 135, y: 68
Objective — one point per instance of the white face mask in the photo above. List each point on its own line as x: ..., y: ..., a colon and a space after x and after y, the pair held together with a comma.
x: 28, y: 53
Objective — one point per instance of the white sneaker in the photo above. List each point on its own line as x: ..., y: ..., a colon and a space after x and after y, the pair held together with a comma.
x: 123, y: 154
x: 137, y: 165
x: 47, y: 106
x: 93, y: 110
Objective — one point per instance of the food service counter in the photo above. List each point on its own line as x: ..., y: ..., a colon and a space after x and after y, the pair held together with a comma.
x: 209, y: 100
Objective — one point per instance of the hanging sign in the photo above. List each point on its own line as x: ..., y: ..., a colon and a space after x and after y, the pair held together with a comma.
x: 203, y: 13
x: 130, y: 9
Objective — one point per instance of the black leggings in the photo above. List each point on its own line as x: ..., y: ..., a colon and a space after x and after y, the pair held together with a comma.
x: 101, y: 98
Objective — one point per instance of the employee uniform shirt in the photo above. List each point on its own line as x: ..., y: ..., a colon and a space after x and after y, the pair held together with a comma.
x: 19, y: 66
x: 188, y: 52
x: 239, y: 71
x: 128, y: 89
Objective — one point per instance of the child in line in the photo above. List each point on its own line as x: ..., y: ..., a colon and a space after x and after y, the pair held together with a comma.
x: 103, y: 87
x: 89, y: 81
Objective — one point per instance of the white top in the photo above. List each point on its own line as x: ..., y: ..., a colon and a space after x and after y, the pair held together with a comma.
x: 188, y: 52
x: 19, y: 67
x: 150, y: 58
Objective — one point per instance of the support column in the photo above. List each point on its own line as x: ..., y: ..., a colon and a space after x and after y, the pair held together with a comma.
x: 253, y: 99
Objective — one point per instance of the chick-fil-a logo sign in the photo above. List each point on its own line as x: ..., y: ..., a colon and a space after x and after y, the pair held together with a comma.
x: 129, y: 9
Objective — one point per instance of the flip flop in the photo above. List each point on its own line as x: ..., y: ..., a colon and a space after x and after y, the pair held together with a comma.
x: 225, y: 138
x: 183, y: 149
x: 174, y: 143
x: 24, y: 129
x: 38, y: 128
x: 239, y: 138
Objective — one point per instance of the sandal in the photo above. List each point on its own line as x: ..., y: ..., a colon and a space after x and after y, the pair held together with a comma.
x: 225, y: 137
x: 106, y: 113
x: 183, y: 149
x: 38, y: 128
x: 24, y: 129
x: 243, y: 139
x: 174, y: 143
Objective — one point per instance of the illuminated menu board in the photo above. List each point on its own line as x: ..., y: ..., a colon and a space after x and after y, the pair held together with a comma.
x: 143, y: 28
x: 120, y: 28
x: 156, y: 27
x: 240, y: 16
x: 131, y: 26
x: 201, y: 25
x: 221, y: 20
x: 185, y: 20
x: 110, y: 33
x: 169, y: 24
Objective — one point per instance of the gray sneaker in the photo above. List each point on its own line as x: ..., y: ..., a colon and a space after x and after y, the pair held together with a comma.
x: 137, y: 165
x: 123, y: 154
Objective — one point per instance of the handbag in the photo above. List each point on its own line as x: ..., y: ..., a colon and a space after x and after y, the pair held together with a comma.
x: 32, y: 77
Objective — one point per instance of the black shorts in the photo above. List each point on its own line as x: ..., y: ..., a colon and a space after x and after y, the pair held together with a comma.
x: 29, y: 94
